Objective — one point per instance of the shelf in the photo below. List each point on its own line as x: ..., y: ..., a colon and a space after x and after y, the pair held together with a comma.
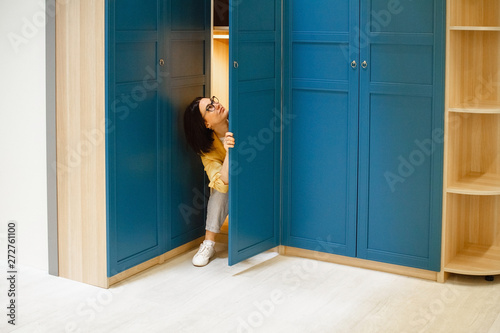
x: 475, y: 260
x: 476, y: 184
x: 476, y: 107
x: 221, y: 29
x: 474, y: 28
x: 472, y: 233
x: 220, y: 33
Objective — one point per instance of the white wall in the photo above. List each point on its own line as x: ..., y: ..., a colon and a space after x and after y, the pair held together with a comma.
x: 23, y: 188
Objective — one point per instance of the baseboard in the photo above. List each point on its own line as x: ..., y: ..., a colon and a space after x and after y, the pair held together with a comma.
x: 361, y: 263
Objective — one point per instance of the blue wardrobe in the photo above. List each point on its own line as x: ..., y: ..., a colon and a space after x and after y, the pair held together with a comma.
x: 337, y: 110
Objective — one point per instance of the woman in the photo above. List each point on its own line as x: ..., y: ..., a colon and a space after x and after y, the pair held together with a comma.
x: 207, y: 132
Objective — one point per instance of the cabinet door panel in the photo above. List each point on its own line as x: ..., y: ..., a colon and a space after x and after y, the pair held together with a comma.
x: 320, y: 151
x: 402, y: 16
x: 133, y: 124
x: 401, y: 127
x: 136, y: 163
x: 156, y: 186
x: 406, y: 64
x: 255, y: 108
x: 320, y: 126
x: 187, y: 74
x: 399, y: 212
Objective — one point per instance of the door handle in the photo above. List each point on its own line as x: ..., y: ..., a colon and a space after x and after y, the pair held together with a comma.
x: 235, y: 64
x: 354, y: 64
x: 162, y: 62
x: 364, y: 64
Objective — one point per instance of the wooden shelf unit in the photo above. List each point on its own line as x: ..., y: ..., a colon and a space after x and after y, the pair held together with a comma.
x: 473, y: 233
x: 471, y: 214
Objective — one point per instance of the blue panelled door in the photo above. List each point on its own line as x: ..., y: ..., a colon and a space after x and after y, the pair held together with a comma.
x: 133, y: 138
x: 255, y: 117
x: 321, y: 128
x: 401, y: 132
x: 155, y: 185
x: 364, y: 88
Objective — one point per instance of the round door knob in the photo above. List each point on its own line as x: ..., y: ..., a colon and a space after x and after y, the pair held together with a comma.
x: 354, y: 64
x: 162, y: 62
x: 364, y: 64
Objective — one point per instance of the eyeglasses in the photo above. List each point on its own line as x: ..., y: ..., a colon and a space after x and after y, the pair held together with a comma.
x: 213, y: 102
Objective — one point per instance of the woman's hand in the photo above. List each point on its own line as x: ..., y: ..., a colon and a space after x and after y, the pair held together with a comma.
x: 228, y: 141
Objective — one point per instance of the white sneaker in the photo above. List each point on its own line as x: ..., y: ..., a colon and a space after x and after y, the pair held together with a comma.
x: 206, y: 251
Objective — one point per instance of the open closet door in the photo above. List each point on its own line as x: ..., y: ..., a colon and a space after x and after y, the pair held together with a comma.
x: 255, y: 120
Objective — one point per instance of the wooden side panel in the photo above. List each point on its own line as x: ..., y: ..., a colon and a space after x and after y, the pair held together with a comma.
x: 81, y: 186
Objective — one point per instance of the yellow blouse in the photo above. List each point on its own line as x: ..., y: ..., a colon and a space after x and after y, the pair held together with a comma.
x: 213, y: 161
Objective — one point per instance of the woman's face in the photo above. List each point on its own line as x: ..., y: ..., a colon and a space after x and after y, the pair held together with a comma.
x: 213, y: 113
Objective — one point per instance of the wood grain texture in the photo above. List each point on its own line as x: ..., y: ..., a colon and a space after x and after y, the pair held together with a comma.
x: 80, y: 112
x: 474, y: 70
x: 474, y: 12
x: 360, y: 263
x: 220, y: 67
x: 473, y: 153
x: 471, y: 203
x: 473, y: 235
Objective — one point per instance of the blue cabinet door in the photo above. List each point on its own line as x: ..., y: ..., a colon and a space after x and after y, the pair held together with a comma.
x: 363, y: 128
x: 155, y: 185
x: 133, y: 138
x: 321, y: 125
x: 254, y: 116
x: 187, y: 75
x: 401, y: 132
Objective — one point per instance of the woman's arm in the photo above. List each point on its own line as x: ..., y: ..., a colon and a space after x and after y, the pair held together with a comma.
x: 228, y: 143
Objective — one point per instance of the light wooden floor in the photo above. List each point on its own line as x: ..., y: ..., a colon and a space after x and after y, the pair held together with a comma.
x: 268, y: 293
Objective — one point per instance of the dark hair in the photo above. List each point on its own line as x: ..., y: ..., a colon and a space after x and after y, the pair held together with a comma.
x: 198, y: 136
